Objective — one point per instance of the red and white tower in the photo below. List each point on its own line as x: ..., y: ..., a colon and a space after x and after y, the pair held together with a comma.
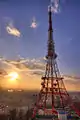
x: 53, y: 95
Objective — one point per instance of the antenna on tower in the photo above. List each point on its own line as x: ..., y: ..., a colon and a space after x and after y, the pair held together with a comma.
x: 51, y: 48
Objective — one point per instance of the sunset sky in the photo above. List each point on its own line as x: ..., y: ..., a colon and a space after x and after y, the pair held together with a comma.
x: 17, y: 37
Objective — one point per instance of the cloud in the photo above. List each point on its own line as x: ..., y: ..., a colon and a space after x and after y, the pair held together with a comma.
x: 71, y: 77
x: 32, y: 71
x: 34, y: 24
x: 3, y: 72
x: 12, y: 30
x: 54, y: 6
x: 71, y: 82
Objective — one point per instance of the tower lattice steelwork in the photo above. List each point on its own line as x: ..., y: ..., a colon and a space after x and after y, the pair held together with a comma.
x: 53, y: 95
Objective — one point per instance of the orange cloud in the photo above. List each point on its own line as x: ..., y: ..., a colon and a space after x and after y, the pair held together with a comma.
x: 12, y: 30
x: 30, y: 77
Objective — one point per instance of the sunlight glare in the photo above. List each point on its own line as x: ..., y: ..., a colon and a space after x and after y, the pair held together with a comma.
x: 13, y: 76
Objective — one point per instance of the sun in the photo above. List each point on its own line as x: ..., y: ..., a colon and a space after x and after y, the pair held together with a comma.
x: 13, y: 76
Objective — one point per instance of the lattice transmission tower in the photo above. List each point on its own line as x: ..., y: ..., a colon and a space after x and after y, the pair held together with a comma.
x: 53, y: 95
